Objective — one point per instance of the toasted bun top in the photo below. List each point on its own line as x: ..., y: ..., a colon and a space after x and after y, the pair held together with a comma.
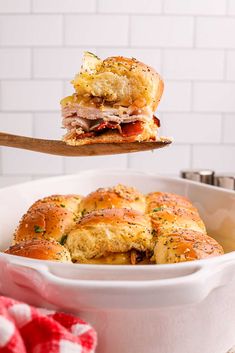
x: 115, y: 216
x: 119, y: 196
x: 185, y: 245
x: 120, y: 81
x: 167, y: 219
x: 49, y: 218
x: 156, y: 200
x: 40, y: 249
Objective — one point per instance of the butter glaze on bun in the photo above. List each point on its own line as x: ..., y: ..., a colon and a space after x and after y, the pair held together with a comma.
x: 165, y: 199
x: 119, y: 196
x: 40, y: 249
x: 121, y: 80
x: 49, y: 218
x: 166, y: 220
x: 185, y: 245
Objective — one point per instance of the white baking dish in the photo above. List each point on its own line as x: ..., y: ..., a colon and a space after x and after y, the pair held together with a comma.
x: 177, y: 308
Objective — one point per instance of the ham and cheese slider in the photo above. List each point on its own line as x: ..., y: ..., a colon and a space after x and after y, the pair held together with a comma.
x: 111, y: 236
x: 49, y: 218
x: 114, y: 101
x: 178, y: 229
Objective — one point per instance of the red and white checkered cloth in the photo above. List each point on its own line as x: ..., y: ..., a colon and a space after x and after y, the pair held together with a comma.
x: 24, y: 328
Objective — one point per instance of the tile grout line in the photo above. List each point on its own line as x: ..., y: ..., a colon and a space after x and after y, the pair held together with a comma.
x: 192, y: 86
x: 96, y: 7
x: 111, y: 46
x: 225, y: 67
x: 195, y: 32
x: 32, y: 54
x: 129, y: 30
x: 119, y: 14
x: 227, y: 8
x: 222, y: 130
x: 31, y: 7
x: 191, y: 156
x: 63, y: 28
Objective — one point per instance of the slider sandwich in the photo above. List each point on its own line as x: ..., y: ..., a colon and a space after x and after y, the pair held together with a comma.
x: 114, y: 101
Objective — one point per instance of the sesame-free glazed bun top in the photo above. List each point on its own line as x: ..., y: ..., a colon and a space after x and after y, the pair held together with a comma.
x: 114, y: 225
x: 119, y: 196
x: 120, y: 80
x: 49, y: 218
x: 185, y: 245
x: 114, y: 101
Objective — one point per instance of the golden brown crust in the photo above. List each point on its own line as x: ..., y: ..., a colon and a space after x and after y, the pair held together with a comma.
x: 143, y: 74
x: 165, y: 199
x: 40, y: 249
x: 165, y: 220
x: 49, y: 218
x: 69, y: 201
x: 185, y: 245
x: 119, y: 196
x: 121, y: 80
x: 114, y: 215
x: 178, y: 229
x: 109, y: 231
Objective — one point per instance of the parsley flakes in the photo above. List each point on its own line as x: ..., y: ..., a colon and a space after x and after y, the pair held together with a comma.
x: 38, y: 229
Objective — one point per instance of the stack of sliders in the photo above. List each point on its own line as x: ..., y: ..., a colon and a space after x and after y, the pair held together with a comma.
x: 116, y: 225
x: 114, y: 102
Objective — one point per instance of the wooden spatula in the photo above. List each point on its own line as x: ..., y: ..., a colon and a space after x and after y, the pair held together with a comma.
x: 62, y: 149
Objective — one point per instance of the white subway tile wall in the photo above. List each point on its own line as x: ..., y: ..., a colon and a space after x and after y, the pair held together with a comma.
x: 190, y: 42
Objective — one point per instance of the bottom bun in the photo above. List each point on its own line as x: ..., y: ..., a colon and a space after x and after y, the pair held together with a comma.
x: 149, y: 133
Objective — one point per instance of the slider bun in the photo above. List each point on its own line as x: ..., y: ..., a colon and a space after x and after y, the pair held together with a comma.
x: 113, y: 136
x: 120, y: 80
x: 49, y: 218
x: 185, y: 245
x: 157, y: 200
x: 102, y: 232
x: 119, y: 196
x: 167, y: 220
x: 40, y: 249
x: 70, y: 201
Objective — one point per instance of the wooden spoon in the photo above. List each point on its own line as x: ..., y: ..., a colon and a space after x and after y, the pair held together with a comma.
x: 62, y: 149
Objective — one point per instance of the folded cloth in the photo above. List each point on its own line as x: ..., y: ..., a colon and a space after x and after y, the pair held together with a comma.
x: 24, y: 328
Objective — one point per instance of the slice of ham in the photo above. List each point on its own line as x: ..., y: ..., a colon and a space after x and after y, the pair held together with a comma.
x: 118, y: 115
x: 76, y: 121
x: 84, y: 121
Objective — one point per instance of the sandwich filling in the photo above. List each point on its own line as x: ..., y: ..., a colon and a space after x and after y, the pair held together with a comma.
x: 132, y: 257
x: 86, y: 121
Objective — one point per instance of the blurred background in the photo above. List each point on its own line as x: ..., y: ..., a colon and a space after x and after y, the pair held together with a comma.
x: 190, y: 42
